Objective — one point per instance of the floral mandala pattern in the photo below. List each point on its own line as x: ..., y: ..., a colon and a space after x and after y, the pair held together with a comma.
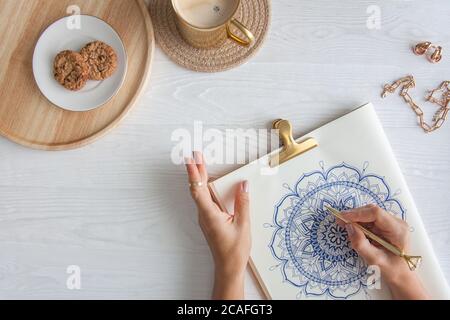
x: 312, y: 249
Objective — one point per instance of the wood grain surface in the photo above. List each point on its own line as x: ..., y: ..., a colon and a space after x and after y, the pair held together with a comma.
x: 120, y: 209
x: 27, y: 117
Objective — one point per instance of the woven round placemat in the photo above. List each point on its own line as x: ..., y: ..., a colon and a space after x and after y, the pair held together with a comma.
x: 254, y: 14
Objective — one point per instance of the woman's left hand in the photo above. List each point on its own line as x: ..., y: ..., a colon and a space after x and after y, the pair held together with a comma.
x: 228, y: 236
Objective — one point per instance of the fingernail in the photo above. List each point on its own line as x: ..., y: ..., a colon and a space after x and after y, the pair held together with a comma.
x: 187, y: 160
x: 197, y: 157
x: 350, y: 229
x: 244, y: 186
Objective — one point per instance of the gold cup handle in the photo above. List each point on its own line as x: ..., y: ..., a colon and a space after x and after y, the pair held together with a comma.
x: 244, y: 30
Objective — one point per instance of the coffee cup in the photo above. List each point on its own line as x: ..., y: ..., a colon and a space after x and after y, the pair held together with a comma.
x: 207, y: 23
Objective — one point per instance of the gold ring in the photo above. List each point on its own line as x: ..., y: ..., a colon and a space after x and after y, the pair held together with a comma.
x: 195, y: 184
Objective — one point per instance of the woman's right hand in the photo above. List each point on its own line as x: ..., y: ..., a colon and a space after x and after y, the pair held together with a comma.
x: 404, y: 283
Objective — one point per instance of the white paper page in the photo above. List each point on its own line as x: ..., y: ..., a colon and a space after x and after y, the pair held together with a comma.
x: 297, y: 249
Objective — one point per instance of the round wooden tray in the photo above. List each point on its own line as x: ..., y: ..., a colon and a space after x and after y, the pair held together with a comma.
x: 26, y: 117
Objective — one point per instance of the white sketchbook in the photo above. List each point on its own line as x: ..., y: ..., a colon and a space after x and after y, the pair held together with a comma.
x: 298, y: 251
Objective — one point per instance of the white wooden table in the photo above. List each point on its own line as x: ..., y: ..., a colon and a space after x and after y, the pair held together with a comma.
x: 121, y: 210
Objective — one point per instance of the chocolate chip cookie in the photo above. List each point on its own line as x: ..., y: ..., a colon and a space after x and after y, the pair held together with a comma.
x: 101, y: 58
x: 70, y: 70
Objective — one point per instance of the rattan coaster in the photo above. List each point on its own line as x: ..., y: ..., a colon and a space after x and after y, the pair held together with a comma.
x: 255, y: 14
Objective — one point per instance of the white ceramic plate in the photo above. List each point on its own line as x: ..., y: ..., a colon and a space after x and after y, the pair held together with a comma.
x: 62, y: 35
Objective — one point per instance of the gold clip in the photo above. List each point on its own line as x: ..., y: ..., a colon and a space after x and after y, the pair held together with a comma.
x: 291, y: 148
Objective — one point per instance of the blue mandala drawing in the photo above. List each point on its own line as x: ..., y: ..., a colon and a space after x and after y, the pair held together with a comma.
x: 312, y: 250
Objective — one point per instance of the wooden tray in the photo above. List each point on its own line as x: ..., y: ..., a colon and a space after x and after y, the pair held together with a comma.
x: 26, y: 117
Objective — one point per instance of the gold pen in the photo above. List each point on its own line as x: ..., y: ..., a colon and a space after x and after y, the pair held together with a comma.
x: 412, y: 261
